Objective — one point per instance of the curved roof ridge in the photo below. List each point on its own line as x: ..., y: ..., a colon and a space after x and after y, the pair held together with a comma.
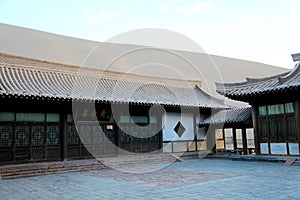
x: 37, y: 60
x: 252, y: 80
x: 293, y: 73
x: 56, y: 67
x: 241, y: 91
x: 209, y: 96
x: 222, y: 85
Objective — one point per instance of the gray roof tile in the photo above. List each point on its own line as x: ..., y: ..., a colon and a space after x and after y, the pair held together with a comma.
x: 233, y: 116
x: 252, y: 87
x: 29, y: 77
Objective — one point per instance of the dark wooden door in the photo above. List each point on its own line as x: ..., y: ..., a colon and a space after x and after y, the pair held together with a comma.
x: 139, y: 139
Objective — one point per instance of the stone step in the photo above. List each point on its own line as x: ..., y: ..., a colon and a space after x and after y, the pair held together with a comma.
x: 297, y: 163
x: 37, y: 169
x: 34, y: 169
x: 290, y: 161
x: 40, y: 173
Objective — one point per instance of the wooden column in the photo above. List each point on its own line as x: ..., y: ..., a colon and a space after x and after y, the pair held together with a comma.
x: 297, y: 119
x: 210, y: 137
x: 244, y: 139
x: 64, y: 136
x: 161, y: 139
x: 195, y: 129
x: 224, y: 139
x: 234, y: 138
x: 255, y: 129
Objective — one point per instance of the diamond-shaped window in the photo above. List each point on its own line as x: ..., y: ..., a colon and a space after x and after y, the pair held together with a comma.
x: 179, y: 129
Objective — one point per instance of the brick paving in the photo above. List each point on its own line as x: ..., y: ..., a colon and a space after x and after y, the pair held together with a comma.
x: 191, y: 179
x: 169, y: 178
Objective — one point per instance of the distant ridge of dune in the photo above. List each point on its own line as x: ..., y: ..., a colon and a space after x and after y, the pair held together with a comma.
x: 68, y: 50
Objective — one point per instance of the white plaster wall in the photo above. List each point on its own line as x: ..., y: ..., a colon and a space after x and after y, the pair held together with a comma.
x: 278, y: 148
x: 294, y: 148
x: 264, y: 148
x: 169, y: 122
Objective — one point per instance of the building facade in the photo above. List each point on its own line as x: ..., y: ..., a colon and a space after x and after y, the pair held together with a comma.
x: 275, y: 103
x: 232, y: 129
x: 51, y: 111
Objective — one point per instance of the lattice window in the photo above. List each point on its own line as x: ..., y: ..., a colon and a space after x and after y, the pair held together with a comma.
x: 73, y: 137
x: 263, y: 130
x: 277, y: 121
x: 144, y: 133
x: 124, y: 136
x: 179, y: 129
x: 154, y: 131
x: 6, y: 135
x: 52, y: 134
x: 86, y: 134
x: 38, y: 135
x: 22, y: 135
x: 97, y: 134
x: 110, y: 134
x: 276, y: 109
x: 272, y: 126
x: 154, y: 138
x: 290, y: 125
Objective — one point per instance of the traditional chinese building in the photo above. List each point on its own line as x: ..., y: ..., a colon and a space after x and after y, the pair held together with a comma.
x: 233, y: 130
x: 51, y: 111
x: 275, y: 104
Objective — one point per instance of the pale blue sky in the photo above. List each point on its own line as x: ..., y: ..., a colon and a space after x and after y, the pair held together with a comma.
x: 265, y: 31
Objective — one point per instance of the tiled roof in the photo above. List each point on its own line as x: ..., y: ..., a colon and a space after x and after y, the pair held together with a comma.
x: 233, y: 116
x: 34, y: 78
x: 254, y: 87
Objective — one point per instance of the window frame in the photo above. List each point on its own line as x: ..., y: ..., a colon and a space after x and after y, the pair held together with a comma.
x: 284, y: 128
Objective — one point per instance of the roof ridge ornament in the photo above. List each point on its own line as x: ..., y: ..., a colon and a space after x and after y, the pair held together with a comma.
x: 296, y: 57
x: 294, y: 72
x: 251, y: 88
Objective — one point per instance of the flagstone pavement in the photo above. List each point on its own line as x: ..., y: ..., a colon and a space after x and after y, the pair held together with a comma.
x: 190, y: 179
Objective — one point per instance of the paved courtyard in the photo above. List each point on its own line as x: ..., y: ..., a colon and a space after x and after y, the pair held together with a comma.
x: 191, y: 179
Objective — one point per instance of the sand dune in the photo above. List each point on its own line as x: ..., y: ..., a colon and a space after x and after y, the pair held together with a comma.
x: 208, y: 68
